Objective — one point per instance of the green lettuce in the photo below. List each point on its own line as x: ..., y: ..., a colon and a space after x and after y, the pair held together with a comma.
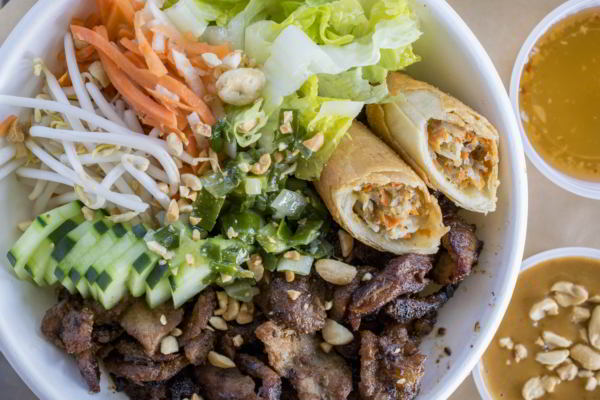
x: 359, y: 84
x: 329, y: 116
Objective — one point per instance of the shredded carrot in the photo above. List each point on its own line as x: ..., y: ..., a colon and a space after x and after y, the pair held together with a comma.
x: 390, y: 222
x: 155, y: 64
x: 135, y: 97
x: 92, y: 20
x: 88, y: 53
x: 168, y: 102
x: 136, y: 59
x: 195, y: 48
x: 144, y: 77
x: 6, y: 124
x: 126, y: 33
x: 65, y: 80
x: 130, y: 45
x: 114, y: 14
x: 137, y: 4
x: 384, y: 197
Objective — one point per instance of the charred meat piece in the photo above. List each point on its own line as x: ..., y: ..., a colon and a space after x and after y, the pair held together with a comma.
x: 390, y: 366
x: 423, y: 326
x: 342, y: 295
x: 145, y: 324
x: 314, y: 374
x: 271, y: 382
x: 197, y: 349
x: 365, y: 255
x: 246, y: 332
x: 182, y: 386
x: 198, y: 320
x: 104, y: 334
x: 53, y: 319
x: 89, y: 369
x: 147, y: 391
x: 132, y: 351
x: 148, y: 372
x: 462, y: 252
x: 103, y: 316
x: 306, y: 314
x: 449, y: 209
x: 224, y: 384
x: 408, y: 308
x: 76, y: 331
x: 404, y: 274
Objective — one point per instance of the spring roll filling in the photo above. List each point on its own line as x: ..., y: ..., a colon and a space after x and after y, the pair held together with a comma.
x: 466, y: 159
x: 396, y: 210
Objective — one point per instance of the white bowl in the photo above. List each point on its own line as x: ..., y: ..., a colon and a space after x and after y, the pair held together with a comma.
x: 577, y: 186
x: 478, y: 374
x: 453, y: 59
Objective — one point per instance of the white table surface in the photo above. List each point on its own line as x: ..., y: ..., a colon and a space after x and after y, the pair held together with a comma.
x: 556, y: 217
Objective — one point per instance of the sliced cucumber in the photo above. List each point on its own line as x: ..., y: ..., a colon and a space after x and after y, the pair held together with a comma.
x: 141, y: 265
x: 105, y: 243
x: 108, y: 276
x: 66, y: 272
x: 43, y: 226
x: 190, y: 280
x: 40, y: 258
x: 160, y: 292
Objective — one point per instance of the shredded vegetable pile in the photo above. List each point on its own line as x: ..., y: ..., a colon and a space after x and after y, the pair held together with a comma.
x: 211, y: 112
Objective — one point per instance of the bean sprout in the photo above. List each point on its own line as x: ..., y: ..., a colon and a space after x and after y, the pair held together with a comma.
x: 132, y: 122
x: 75, y: 75
x: 104, y: 106
x: 10, y: 167
x: 7, y: 153
x: 43, y: 176
x: 147, y: 182
x: 42, y: 202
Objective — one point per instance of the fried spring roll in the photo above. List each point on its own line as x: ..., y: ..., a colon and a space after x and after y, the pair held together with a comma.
x: 378, y: 198
x: 453, y: 148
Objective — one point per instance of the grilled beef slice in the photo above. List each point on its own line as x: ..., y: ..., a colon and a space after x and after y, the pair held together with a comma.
x: 271, y: 382
x: 197, y: 349
x: 315, y: 375
x: 401, y: 275
x: 306, y: 314
x: 198, y: 320
x: 224, y: 384
x: 144, y: 372
x: 462, y: 252
x: 144, y: 324
x: 405, y: 309
x: 390, y: 366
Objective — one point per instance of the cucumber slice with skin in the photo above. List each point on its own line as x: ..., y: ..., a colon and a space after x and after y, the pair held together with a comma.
x: 104, y: 244
x: 41, y: 227
x: 141, y: 266
x: 66, y: 272
x: 160, y: 292
x: 190, y: 280
x: 108, y: 272
x: 41, y: 256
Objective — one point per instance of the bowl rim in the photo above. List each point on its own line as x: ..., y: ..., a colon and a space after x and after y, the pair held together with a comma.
x: 576, y: 186
x: 553, y: 254
x: 517, y: 202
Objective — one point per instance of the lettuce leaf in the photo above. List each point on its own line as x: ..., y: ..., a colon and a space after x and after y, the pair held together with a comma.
x: 367, y: 85
x: 330, y: 116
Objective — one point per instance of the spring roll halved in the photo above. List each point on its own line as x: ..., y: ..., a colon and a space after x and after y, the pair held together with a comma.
x: 378, y: 198
x: 452, y: 147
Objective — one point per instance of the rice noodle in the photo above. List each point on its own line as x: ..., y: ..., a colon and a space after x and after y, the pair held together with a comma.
x: 7, y: 153
x: 41, y: 203
x: 123, y: 136
x: 132, y: 122
x: 8, y: 168
x: 147, y: 182
x: 120, y: 107
x: 43, y: 175
x: 104, y: 106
